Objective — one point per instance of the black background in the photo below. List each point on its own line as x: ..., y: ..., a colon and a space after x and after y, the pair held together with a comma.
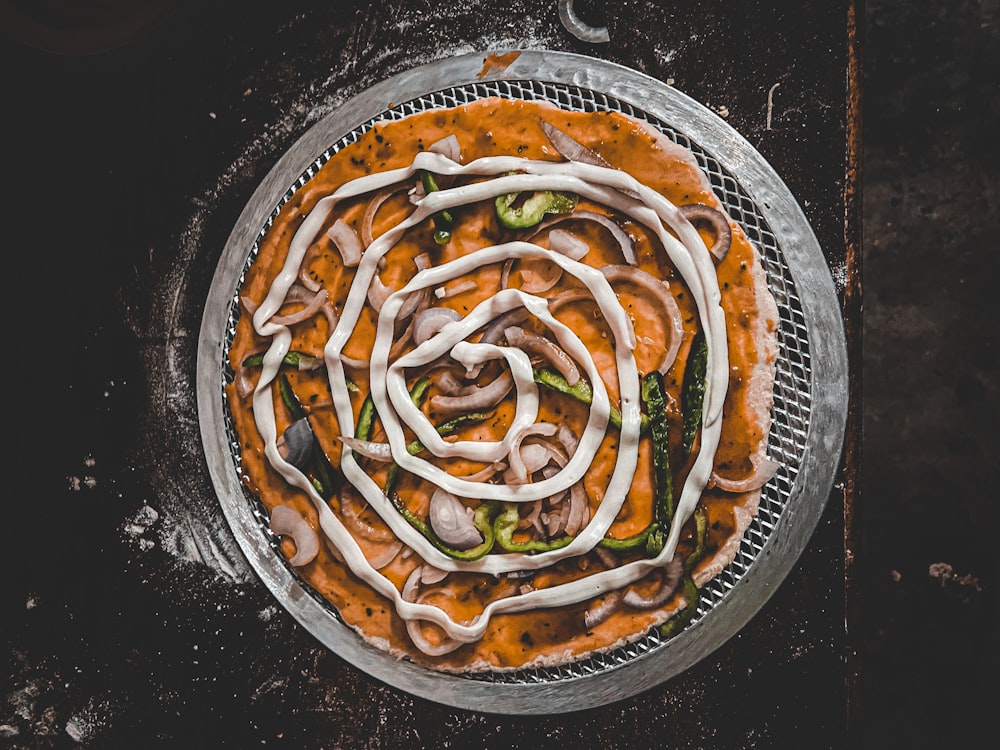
x: 135, y: 133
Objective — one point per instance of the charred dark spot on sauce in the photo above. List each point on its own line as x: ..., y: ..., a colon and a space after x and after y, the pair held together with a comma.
x: 369, y: 611
x: 527, y: 640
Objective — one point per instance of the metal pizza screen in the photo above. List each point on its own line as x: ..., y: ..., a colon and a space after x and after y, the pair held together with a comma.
x: 790, y: 413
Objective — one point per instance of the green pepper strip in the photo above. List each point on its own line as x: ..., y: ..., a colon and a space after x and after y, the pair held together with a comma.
x: 655, y: 399
x: 296, y: 359
x: 701, y: 533
x: 366, y: 422
x: 582, y: 392
x: 676, y: 624
x: 630, y: 542
x: 482, y: 519
x: 533, y: 209
x: 652, y: 536
x: 293, y: 358
x: 443, y: 220
x: 323, y: 481
x: 680, y: 620
x: 504, y: 526
x: 367, y: 415
x: 693, y: 390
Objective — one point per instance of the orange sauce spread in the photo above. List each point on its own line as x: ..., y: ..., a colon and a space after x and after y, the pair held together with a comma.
x: 489, y: 128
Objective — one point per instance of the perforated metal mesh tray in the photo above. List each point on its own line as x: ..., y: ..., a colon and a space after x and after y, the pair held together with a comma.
x: 810, y: 390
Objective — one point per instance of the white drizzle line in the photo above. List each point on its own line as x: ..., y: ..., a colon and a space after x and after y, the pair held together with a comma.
x: 600, y: 184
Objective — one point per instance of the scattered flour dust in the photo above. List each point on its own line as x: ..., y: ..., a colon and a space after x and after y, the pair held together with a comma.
x: 87, y: 481
x: 839, y: 272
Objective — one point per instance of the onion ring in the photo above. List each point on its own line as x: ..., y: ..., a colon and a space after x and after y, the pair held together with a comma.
x: 760, y: 474
x: 720, y: 224
x: 288, y: 522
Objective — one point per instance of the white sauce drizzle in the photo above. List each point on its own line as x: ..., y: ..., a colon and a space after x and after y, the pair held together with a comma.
x: 613, y: 188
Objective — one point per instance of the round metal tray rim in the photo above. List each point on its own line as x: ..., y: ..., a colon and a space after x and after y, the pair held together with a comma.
x: 824, y: 379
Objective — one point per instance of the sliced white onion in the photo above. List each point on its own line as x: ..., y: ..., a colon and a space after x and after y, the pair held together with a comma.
x: 518, y: 472
x: 720, y: 225
x: 452, y: 521
x: 569, y: 440
x: 625, y: 242
x: 368, y: 220
x: 449, y: 385
x: 305, y: 279
x: 378, y: 293
x: 448, y: 146
x: 386, y: 555
x: 242, y: 379
x: 532, y: 517
x: 568, y: 244
x: 431, y: 575
x: 347, y: 242
x: 413, y: 627
x: 288, y: 522
x: 431, y: 320
x: 352, y: 517
x: 565, y: 144
x: 760, y: 475
x: 453, y: 290
x: 484, y: 475
x: 552, y: 352
x: 532, y: 457
x: 607, y: 606
x: 670, y: 577
x: 312, y: 307
x: 661, y: 292
x: 536, y: 282
x: 478, y: 399
x: 555, y: 521
x: 579, y: 509
x: 367, y: 448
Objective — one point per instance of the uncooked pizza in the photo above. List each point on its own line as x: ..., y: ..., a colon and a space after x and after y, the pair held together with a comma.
x: 502, y: 382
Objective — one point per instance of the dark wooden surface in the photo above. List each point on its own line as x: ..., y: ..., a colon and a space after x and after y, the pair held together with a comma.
x: 129, y: 615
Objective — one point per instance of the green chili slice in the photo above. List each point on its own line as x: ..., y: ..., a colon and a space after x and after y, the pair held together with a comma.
x: 503, y: 529
x: 655, y: 400
x: 482, y: 519
x: 529, y: 212
x: 680, y: 620
x: 693, y: 390
x: 630, y: 542
x: 582, y: 392
x: 691, y: 591
x: 292, y: 358
x: 443, y: 220
x: 300, y: 361
x: 366, y: 419
x: 701, y: 533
